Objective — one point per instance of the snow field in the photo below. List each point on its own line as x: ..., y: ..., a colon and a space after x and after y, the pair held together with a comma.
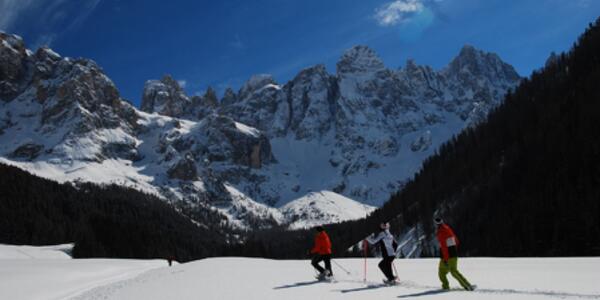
x: 47, y: 273
x: 246, y: 278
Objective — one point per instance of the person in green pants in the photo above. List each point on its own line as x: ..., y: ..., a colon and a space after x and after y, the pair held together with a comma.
x: 449, y: 256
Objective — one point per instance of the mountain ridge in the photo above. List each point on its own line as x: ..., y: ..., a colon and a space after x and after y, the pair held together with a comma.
x: 359, y: 133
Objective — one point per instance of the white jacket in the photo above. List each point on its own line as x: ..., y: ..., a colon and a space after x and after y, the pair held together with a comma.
x: 388, y: 242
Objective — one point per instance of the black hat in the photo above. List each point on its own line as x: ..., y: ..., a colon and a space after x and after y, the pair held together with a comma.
x: 319, y: 228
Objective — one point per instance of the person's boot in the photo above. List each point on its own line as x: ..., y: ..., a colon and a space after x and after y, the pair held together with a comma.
x: 390, y: 281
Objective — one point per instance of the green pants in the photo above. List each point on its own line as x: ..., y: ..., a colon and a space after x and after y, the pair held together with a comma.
x: 451, y: 267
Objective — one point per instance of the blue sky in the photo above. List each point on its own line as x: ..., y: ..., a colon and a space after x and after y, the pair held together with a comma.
x: 222, y: 43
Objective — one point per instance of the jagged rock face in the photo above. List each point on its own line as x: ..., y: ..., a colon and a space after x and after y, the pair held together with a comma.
x: 311, y: 97
x: 27, y: 151
x: 220, y: 139
x: 472, y: 63
x: 422, y: 79
x: 366, y: 114
x: 359, y: 60
x: 478, y: 81
x: 371, y: 97
x: 62, y: 104
x: 165, y: 97
x: 262, y: 104
x: 12, y: 57
x: 203, y: 158
x: 205, y: 105
x: 184, y: 169
x: 229, y: 97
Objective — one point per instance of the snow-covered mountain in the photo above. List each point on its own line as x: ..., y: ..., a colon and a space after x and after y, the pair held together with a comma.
x: 311, y: 209
x: 312, y: 150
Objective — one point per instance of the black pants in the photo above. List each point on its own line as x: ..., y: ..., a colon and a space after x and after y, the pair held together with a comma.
x: 386, y: 267
x: 326, y: 258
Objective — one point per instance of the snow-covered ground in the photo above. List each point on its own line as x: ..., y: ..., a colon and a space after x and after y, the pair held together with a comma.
x: 251, y: 278
x: 48, y: 273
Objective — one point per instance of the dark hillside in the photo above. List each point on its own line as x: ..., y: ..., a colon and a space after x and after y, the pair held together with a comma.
x: 103, y: 221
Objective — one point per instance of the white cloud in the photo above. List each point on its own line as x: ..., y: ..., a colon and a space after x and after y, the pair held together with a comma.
x: 49, y: 18
x: 10, y: 11
x: 43, y: 40
x: 182, y: 83
x: 398, y: 11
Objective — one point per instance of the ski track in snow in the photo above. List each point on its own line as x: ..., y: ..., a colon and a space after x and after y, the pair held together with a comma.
x: 189, y: 281
x: 107, y: 290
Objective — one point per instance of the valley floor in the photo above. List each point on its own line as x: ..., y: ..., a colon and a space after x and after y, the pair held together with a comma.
x: 31, y: 277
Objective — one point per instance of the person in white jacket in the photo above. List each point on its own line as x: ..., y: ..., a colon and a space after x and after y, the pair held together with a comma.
x: 387, y: 244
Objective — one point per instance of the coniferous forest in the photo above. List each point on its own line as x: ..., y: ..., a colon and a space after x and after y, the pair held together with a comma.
x: 524, y: 183
x: 102, y: 221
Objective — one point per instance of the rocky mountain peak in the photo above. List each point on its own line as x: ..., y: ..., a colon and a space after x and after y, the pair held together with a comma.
x: 411, y: 64
x: 470, y: 59
x: 165, y: 97
x: 229, y: 97
x: 45, y: 53
x: 255, y: 83
x: 12, y: 42
x: 210, y: 97
x: 480, y: 63
x: 359, y: 59
x: 205, y: 105
x: 12, y: 56
x: 318, y: 70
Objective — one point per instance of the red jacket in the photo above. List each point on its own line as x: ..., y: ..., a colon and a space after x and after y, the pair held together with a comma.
x: 447, y: 239
x: 322, y: 244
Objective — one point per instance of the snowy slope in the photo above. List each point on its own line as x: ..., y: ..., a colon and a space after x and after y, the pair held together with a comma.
x: 13, y: 252
x: 250, y: 278
x: 46, y: 273
x: 324, y: 207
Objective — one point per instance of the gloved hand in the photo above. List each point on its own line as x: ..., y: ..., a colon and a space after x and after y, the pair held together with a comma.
x: 445, y: 263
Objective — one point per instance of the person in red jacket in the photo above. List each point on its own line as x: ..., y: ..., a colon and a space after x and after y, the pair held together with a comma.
x: 449, y: 256
x: 322, y: 252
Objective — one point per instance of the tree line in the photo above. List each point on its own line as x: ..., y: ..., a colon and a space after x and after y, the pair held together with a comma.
x: 102, y: 220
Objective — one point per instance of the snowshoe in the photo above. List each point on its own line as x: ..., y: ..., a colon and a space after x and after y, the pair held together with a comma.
x: 324, y: 276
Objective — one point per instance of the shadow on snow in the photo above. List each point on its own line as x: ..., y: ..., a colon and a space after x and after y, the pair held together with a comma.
x: 506, y: 292
x: 297, y: 284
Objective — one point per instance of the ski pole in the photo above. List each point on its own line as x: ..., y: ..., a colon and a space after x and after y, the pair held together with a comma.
x: 347, y: 272
x: 365, y: 252
x: 395, y: 271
